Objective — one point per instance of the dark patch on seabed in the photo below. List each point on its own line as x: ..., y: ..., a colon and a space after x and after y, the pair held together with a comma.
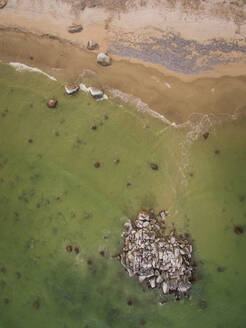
x: 178, y: 54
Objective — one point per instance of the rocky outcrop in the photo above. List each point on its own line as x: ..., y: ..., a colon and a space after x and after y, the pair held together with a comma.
x: 103, y: 59
x: 163, y: 261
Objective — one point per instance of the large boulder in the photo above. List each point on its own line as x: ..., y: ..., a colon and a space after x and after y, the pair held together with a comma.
x: 71, y: 88
x: 103, y: 59
x: 75, y: 28
x: 3, y: 3
x: 96, y: 93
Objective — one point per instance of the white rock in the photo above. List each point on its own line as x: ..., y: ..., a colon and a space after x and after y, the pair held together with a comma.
x: 70, y: 89
x: 165, y: 288
x: 103, y: 59
x: 152, y: 283
x: 96, y: 93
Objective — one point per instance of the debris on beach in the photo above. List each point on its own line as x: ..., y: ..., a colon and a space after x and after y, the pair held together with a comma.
x: 75, y: 28
x: 51, y: 103
x: 163, y: 261
x: 103, y: 59
x: 71, y: 88
x: 3, y: 3
x: 91, y: 45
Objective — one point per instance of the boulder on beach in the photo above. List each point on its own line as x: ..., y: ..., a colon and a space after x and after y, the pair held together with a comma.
x: 3, y: 3
x: 71, y: 88
x: 96, y: 93
x: 91, y: 45
x: 51, y: 103
x: 103, y: 59
x: 75, y: 28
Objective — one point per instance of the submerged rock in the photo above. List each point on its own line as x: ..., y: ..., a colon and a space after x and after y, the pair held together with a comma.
x: 154, y: 166
x: 3, y: 3
x: 75, y: 28
x: 51, y: 103
x: 164, y: 261
x: 91, y: 45
x: 103, y: 59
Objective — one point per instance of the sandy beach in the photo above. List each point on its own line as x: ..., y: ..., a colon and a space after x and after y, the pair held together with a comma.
x: 163, y: 53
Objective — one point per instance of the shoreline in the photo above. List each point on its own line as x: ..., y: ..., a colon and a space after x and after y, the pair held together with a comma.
x: 170, y: 93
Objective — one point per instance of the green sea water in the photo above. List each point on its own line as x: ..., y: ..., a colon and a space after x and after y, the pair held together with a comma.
x: 51, y: 196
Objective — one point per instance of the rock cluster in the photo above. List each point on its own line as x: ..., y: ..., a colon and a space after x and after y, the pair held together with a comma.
x: 164, y: 261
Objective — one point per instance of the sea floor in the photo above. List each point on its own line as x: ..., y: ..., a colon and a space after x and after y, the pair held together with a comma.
x: 52, y: 196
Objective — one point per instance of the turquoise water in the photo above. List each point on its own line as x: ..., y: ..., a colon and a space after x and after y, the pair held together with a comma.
x: 51, y: 196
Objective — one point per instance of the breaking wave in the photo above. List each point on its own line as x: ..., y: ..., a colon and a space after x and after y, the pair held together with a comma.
x: 19, y: 67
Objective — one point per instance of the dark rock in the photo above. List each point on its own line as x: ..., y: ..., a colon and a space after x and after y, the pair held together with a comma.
x: 221, y: 269
x: 91, y: 45
x: 76, y: 249
x: 69, y: 248
x: 102, y: 253
x: 129, y: 302
x: 206, y: 135
x: 30, y: 141
x: 154, y: 166
x: 94, y: 127
x: 51, y: 103
x: 18, y: 275
x: 36, y: 304
x: 217, y: 151
x: 3, y: 270
x: 203, y: 304
x: 3, y: 3
x: 75, y: 28
x: 238, y: 229
x: 97, y: 165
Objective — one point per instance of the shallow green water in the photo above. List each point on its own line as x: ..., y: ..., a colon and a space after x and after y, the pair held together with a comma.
x: 51, y: 195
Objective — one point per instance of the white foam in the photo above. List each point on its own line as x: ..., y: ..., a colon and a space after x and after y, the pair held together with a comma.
x: 140, y: 105
x: 86, y: 89
x: 19, y: 67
